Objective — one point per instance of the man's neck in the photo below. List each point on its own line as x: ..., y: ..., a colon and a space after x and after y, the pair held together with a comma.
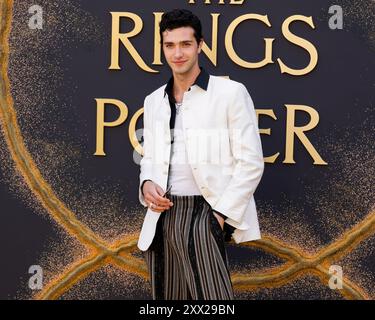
x: 182, y: 82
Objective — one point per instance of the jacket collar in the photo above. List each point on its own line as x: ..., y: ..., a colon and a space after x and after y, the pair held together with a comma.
x: 201, y: 80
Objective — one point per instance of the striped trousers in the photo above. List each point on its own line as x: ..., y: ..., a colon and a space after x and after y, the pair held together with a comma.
x: 187, y: 259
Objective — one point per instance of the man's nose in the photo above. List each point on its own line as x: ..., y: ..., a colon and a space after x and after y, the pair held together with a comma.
x: 178, y: 52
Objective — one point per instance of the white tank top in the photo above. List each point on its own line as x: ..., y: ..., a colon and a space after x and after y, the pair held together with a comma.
x: 180, y: 174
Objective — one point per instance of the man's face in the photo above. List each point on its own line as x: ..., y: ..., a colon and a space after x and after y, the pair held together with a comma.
x: 180, y: 45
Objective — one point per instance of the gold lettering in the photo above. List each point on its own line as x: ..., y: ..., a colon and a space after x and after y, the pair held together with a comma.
x: 212, y: 53
x: 292, y: 130
x: 157, y: 40
x: 124, y: 38
x: 269, y: 113
x: 229, y: 42
x: 101, y: 124
x: 132, y: 135
x: 299, y: 42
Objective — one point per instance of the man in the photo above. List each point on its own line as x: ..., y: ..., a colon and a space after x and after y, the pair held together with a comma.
x: 201, y: 165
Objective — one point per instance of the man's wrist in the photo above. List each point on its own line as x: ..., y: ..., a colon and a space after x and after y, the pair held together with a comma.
x: 143, y: 182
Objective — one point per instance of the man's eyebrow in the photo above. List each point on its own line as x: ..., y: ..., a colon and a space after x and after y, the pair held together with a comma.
x: 184, y: 41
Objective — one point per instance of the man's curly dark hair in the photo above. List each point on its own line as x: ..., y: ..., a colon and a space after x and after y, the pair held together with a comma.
x: 180, y: 18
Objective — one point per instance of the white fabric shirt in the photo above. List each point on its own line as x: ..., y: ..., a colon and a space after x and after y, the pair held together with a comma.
x: 180, y: 174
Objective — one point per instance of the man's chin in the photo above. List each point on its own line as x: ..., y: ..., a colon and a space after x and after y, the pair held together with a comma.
x: 180, y: 69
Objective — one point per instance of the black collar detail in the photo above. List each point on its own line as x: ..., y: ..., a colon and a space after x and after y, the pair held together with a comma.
x: 201, y: 80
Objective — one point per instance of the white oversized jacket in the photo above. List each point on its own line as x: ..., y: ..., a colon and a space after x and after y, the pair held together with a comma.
x: 223, y: 147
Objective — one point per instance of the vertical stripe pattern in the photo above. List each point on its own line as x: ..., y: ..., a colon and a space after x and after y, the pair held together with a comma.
x: 187, y: 258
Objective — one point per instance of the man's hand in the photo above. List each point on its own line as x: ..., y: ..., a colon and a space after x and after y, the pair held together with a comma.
x: 153, y: 195
x: 220, y: 219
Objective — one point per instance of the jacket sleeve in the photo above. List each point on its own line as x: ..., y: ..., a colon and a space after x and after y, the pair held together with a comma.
x: 220, y: 214
x: 146, y: 161
x: 246, y: 148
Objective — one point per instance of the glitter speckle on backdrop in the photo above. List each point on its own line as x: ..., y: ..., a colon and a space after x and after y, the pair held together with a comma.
x: 30, y: 79
x: 358, y: 17
x: 110, y: 283
x: 341, y: 197
x: 56, y: 152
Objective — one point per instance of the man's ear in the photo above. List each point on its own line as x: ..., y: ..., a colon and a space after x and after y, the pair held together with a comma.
x: 200, y: 46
